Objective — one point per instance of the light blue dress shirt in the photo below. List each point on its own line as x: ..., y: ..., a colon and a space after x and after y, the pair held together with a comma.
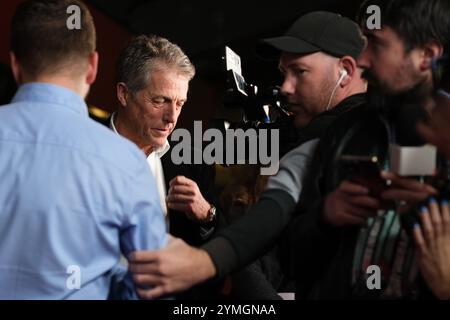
x: 73, y: 197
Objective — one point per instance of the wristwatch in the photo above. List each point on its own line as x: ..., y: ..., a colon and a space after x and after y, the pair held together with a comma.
x: 211, y: 215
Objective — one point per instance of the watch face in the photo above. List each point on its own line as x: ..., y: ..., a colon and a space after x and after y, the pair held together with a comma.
x: 211, y: 214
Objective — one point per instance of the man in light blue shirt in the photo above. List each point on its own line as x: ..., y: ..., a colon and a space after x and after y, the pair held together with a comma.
x: 74, y: 195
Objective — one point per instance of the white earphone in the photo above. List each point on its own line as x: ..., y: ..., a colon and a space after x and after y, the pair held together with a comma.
x: 343, y: 74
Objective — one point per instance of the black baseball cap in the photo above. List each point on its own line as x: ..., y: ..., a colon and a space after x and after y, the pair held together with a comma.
x: 316, y: 31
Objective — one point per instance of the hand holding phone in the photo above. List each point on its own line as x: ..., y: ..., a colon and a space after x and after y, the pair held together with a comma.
x: 366, y: 171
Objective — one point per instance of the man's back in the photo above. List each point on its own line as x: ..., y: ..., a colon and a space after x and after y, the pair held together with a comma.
x: 74, y: 194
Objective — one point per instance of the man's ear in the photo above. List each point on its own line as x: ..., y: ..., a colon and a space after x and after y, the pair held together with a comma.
x: 122, y: 93
x: 16, y: 68
x: 92, y: 68
x: 348, y: 64
x: 430, y: 51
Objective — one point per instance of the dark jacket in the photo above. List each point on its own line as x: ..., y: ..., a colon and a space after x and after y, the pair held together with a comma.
x: 192, y: 232
x: 181, y: 226
x: 259, y: 230
x: 324, y: 254
x: 315, y: 243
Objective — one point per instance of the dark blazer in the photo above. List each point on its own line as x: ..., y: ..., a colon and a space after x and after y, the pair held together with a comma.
x: 180, y: 225
x: 190, y: 231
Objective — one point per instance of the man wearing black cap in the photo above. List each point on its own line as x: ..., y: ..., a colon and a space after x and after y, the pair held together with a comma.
x: 317, y: 61
x: 321, y: 81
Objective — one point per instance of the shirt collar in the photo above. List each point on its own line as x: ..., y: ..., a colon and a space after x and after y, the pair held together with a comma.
x: 51, y: 94
x: 158, y: 152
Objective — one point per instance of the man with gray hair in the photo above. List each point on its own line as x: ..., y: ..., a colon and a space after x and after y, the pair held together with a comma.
x: 153, y: 78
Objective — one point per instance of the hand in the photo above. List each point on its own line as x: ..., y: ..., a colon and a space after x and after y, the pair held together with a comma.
x: 350, y: 204
x: 175, y: 268
x: 406, y: 190
x: 184, y: 195
x: 432, y: 238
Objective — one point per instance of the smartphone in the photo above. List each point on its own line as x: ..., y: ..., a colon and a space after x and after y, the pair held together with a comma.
x: 366, y: 171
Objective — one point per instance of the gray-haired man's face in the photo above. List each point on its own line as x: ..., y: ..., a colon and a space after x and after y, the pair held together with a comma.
x: 154, y: 110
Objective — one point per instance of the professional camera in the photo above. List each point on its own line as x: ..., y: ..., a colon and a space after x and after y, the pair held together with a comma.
x: 260, y: 108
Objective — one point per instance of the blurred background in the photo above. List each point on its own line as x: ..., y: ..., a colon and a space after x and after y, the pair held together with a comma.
x: 200, y: 28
